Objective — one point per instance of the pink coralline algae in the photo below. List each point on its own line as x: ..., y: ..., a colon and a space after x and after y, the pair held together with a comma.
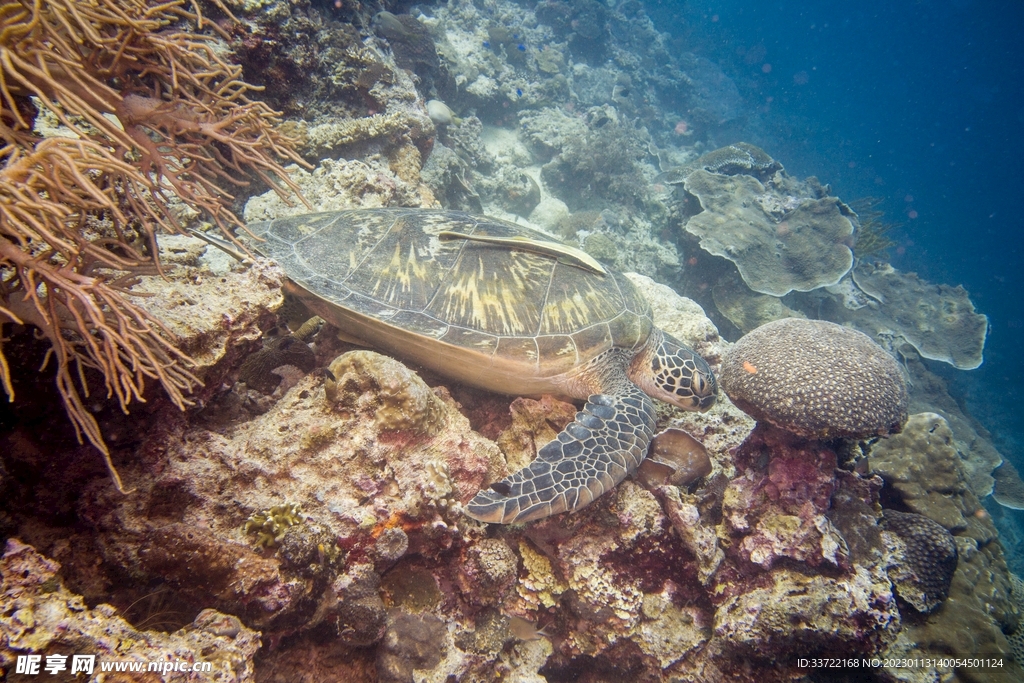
x: 776, y: 508
x: 792, y: 584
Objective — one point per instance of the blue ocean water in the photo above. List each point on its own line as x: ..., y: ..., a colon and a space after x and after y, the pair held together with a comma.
x: 918, y: 103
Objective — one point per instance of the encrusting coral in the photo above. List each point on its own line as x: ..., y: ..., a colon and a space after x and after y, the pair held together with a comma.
x: 153, y: 112
x: 922, y: 469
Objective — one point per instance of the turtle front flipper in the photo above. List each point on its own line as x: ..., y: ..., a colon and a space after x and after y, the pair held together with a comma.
x: 606, y: 441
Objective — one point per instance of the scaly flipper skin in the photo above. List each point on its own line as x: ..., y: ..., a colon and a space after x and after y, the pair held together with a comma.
x: 607, y: 441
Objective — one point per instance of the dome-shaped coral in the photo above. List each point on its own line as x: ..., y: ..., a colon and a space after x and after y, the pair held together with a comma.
x: 816, y: 379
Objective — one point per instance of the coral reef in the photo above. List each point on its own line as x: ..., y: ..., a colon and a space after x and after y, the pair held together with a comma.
x: 843, y: 617
x: 214, y: 312
x: 786, y: 236
x: 342, y: 184
x: 39, y: 616
x: 1016, y: 638
x: 804, y: 562
x: 602, y: 163
x: 413, y: 47
x: 923, y: 473
x: 816, y: 379
x: 777, y: 510
x: 322, y: 503
x: 364, y: 478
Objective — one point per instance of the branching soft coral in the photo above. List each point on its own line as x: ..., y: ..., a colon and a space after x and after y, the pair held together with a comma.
x: 154, y: 112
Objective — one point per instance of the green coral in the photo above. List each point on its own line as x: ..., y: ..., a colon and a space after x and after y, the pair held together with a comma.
x: 269, y: 526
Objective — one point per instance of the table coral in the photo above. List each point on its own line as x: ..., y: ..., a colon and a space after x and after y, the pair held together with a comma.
x: 745, y: 309
x: 1009, y: 488
x: 804, y: 247
x: 739, y: 158
x: 937, y: 320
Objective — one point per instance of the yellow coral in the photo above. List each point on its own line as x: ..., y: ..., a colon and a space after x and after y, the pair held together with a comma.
x: 540, y: 587
x: 270, y: 526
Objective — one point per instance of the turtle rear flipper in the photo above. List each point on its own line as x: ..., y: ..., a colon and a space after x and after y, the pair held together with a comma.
x: 606, y: 441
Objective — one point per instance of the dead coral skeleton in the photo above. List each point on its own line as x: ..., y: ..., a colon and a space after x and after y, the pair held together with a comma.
x: 153, y: 112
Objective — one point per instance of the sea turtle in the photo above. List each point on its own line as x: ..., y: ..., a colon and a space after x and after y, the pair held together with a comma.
x: 501, y: 307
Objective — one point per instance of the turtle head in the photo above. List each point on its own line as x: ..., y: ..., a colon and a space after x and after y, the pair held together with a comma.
x: 671, y: 372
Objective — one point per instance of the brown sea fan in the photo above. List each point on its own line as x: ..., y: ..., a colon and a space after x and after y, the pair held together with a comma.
x: 151, y: 111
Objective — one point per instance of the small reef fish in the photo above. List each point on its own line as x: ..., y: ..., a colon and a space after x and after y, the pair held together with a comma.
x: 526, y: 630
x: 440, y: 113
x: 390, y: 26
x: 562, y: 252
